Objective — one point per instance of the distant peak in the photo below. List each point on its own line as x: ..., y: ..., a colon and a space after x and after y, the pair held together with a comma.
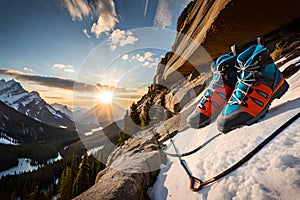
x: 35, y: 93
x: 12, y: 81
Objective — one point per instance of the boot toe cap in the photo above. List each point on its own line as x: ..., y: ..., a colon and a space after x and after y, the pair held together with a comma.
x: 232, y: 121
x: 197, y: 119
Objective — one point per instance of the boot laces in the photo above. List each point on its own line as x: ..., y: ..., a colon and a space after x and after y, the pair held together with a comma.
x: 247, y: 76
x: 216, y: 81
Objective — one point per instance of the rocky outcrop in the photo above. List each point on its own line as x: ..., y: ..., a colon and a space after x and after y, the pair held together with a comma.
x: 184, y: 91
x: 211, y: 27
x: 132, y: 168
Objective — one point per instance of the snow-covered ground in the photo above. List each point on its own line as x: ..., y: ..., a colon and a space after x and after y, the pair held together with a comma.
x: 273, y: 173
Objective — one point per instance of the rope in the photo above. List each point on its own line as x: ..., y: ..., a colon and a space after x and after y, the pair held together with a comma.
x: 247, y: 157
x: 195, y: 150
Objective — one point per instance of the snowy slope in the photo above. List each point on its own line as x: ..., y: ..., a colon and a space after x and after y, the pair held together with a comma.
x: 273, y: 173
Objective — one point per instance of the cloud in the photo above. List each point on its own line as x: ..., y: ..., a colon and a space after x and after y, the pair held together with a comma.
x: 56, y: 98
x: 27, y: 69
x: 125, y: 57
x: 141, y: 59
x: 59, y: 66
x: 107, y: 17
x: 68, y: 68
x: 148, y: 57
x: 146, y: 64
x: 103, y: 10
x: 78, y: 9
x: 121, y: 38
x: 148, y: 54
x: 86, y: 33
x: 163, y: 16
x: 56, y: 82
x: 149, y: 65
x: 152, y: 65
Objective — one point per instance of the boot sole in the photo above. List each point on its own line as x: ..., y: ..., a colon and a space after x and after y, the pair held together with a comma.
x: 204, y: 123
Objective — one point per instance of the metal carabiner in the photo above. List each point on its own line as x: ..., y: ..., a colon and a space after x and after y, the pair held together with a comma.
x: 195, y: 184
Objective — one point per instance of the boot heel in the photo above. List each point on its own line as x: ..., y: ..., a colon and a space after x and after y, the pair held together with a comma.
x: 282, y: 90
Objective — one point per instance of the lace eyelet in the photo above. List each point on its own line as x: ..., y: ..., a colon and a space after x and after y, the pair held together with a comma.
x: 200, y: 106
x: 245, y: 104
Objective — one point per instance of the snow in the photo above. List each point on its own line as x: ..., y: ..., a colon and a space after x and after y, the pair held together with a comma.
x: 24, y: 166
x: 93, y: 131
x: 273, y: 173
x: 14, y: 95
x: 63, y: 127
x: 291, y: 62
x: 280, y: 60
x: 5, y: 139
x: 88, y: 133
x: 94, y: 151
x: 53, y: 112
x: 52, y: 160
x: 8, y: 97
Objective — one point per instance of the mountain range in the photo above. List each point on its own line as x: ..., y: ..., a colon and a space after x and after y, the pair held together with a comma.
x: 31, y: 104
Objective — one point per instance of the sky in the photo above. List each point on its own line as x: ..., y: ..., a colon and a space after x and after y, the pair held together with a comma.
x: 51, y: 45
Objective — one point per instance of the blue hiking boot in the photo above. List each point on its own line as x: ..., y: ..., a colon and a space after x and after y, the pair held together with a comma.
x: 218, y: 91
x: 259, y: 83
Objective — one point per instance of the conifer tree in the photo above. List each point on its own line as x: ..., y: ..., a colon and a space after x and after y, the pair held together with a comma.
x: 163, y: 99
x: 134, y: 114
x: 74, y: 167
x: 145, y: 119
x: 129, y: 128
x: 82, y: 181
x: 34, y: 195
x: 65, y: 185
x: 48, y: 194
x: 13, y: 195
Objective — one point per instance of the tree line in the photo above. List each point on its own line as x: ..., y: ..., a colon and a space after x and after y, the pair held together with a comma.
x: 65, y: 179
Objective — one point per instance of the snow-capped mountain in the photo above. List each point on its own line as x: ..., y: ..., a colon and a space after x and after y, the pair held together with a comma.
x: 64, y: 109
x: 72, y: 113
x: 31, y: 104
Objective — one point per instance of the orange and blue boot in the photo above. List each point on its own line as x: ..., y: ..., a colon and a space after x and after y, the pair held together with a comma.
x: 218, y: 92
x: 259, y: 83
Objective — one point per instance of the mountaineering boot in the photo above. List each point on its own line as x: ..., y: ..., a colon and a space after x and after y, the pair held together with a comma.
x: 218, y: 91
x: 259, y: 83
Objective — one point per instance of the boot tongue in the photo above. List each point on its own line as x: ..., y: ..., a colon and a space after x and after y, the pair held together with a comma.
x: 245, y: 76
x: 246, y: 62
x: 253, y: 52
x: 222, y: 59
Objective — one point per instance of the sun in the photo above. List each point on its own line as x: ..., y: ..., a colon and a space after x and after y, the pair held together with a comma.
x: 105, y: 97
